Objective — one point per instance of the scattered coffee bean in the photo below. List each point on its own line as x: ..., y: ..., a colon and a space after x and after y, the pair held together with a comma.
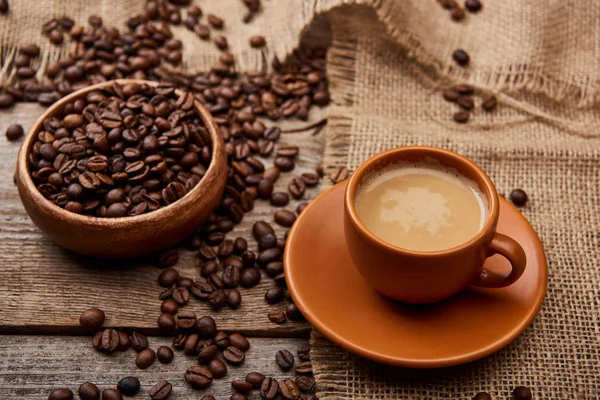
x: 482, y: 396
x: 293, y: 313
x: 139, y: 341
x: 161, y: 390
x: 109, y: 341
x: 466, y: 102
x: 217, y: 300
x: 241, y: 386
x: 268, y: 241
x: 268, y: 256
x: 181, y: 295
x: 129, y: 385
x: 338, y: 175
x: 215, y: 22
x: 190, y: 343
x: 218, y: 368
x: 284, y: 218
x: 257, y: 41
x: 7, y: 100
x: 186, y: 319
x: 255, y: 379
x: 462, y: 117
x: 167, y: 258
x: 198, y: 377
x: 249, y: 277
x: 288, y: 389
x: 261, y: 228
x: 168, y: 277
x: 166, y: 321
x: 450, y: 95
x: 274, y: 295
x: 231, y: 276
x: 14, y: 131
x: 233, y: 355
x: 488, y: 101
x: 221, y: 42
x: 185, y: 282
x: 280, y: 280
x: 269, y: 388
x: 301, y: 207
x: 285, y: 164
x: 304, y: 368
x: 234, y: 299
x: 239, y: 341
x: 310, y: 179
x: 169, y: 306
x: 111, y: 394
x: 277, y: 316
x: 518, y: 197
x: 164, y: 354
x: 221, y: 340
x: 240, y: 245
x: 457, y: 13
x: 238, y: 396
x: 303, y: 352
x: 145, y: 358
x: 180, y: 340
x: 279, y: 199
x: 473, y: 5
x: 297, y: 187
x: 305, y: 383
x: 461, y: 57
x: 284, y: 359
x: 61, y: 394
x: 522, y: 393
x: 207, y: 352
x: 92, y: 319
x: 206, y: 327
x: 88, y: 391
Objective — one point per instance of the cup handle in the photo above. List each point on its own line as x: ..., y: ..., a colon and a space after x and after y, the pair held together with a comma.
x: 513, y: 252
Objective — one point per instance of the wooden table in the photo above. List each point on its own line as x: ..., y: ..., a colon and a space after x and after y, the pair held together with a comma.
x: 44, y: 289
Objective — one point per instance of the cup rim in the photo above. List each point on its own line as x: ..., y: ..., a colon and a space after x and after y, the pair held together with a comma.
x: 490, y: 193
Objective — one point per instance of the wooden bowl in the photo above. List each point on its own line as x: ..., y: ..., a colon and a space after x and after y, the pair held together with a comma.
x: 127, y: 236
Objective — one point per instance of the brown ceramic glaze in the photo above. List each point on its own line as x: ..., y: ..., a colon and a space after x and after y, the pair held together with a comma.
x: 426, y: 277
x: 331, y: 293
x: 128, y: 236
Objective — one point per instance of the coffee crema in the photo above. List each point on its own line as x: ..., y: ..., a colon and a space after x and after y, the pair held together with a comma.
x: 421, y: 206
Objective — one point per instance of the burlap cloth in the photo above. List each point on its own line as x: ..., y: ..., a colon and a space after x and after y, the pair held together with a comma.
x: 386, y: 64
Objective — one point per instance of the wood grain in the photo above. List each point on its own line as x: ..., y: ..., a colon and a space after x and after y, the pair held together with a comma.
x: 31, y: 366
x: 44, y: 288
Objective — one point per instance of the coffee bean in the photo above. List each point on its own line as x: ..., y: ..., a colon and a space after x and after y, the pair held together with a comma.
x: 88, y: 391
x: 288, y: 389
x: 216, y: 281
x: 279, y: 199
x: 129, y: 385
x: 161, y: 390
x: 215, y: 21
x: 111, y: 394
x: 466, y: 102
x: 167, y: 258
x: 257, y: 41
x: 207, y: 252
x: 207, y: 353
x: 109, y: 341
x: 303, y: 352
x: 305, y: 383
x: 217, y: 300
x: 265, y: 188
x: 269, y: 389
x: 448, y: 4
x: 198, y: 377
x: 6, y: 100
x: 169, y: 306
x: 221, y: 42
x: 186, y: 319
x: 297, y: 187
x: 238, y: 396
x: 261, y: 228
x: 234, y: 299
x: 488, y: 101
x: 482, y: 396
x: 522, y: 393
x: 239, y: 341
x: 462, y: 117
x: 206, y: 327
x: 248, y: 258
x: 201, y: 289
x: 268, y: 241
x: 255, y: 379
x: 310, y: 179
x: 241, y: 386
x: 338, y: 175
x: 293, y: 313
x: 276, y: 316
x: 473, y: 5
x: 139, y: 341
x: 168, y: 277
x: 218, y: 368
x: 92, y: 319
x: 164, y: 354
x: 180, y: 340
x: 31, y: 50
x: 518, y: 197
x: 268, y: 256
x: 460, y: 56
x: 463, y: 88
x: 450, y: 95
x: 189, y: 344
x: 284, y: 359
x: 145, y: 358
x: 301, y: 207
x: 249, y: 277
x: 166, y: 321
x: 61, y: 394
x: 284, y: 163
x: 14, y: 131
x: 274, y: 268
x: 185, y: 282
x: 457, y: 13
x: 274, y: 295
x: 221, y: 340
x: 181, y: 295
x: 285, y: 218
x: 225, y: 249
x: 304, y: 368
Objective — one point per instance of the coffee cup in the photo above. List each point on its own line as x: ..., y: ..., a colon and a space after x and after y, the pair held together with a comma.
x: 420, y: 223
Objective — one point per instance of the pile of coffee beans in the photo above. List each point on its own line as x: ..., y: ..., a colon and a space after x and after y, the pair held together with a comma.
x: 463, y: 95
x: 125, y: 150
x: 128, y: 386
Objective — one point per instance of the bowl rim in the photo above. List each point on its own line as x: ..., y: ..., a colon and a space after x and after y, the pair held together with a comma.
x: 25, y: 178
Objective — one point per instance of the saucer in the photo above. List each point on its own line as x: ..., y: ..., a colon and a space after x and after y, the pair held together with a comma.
x: 338, y: 302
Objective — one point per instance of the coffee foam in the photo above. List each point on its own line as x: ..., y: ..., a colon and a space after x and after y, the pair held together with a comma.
x: 433, y: 168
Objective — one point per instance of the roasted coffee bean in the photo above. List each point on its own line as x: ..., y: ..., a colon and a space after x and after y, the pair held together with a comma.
x: 482, y: 396
x: 274, y: 268
x: 221, y: 42
x: 225, y: 249
x: 216, y: 281
x: 460, y: 56
x: 217, y: 300
x: 285, y: 164
x: 265, y: 188
x: 450, y: 95
x: 310, y: 179
x: 248, y: 258
x: 473, y: 5
x: 338, y: 175
x: 124, y: 341
x: 239, y: 341
x: 207, y: 353
x: 276, y: 316
x: 165, y: 354
x: 180, y: 340
x: 269, y: 255
x: 221, y: 340
x: 111, y: 394
x: 261, y: 228
x: 185, y: 282
x: 218, y: 368
x: 279, y: 199
x: 269, y: 388
x: 288, y: 389
x: 129, y: 385
x: 462, y: 117
x: 201, y: 289
x: 304, y: 368
x: 208, y: 267
x: 145, y: 358
x: 61, y: 394
x: 272, y: 174
x: 238, y: 396
x: 280, y: 280
x: 305, y: 383
x: 284, y: 359
x: 206, y: 327
x: 186, y: 319
x: 207, y: 252
x: 457, y: 13
x: 167, y: 258
x: 234, y: 299
x: 293, y: 313
x: 198, y: 377
x: 166, y: 321
x: 88, y: 391
x: 214, y: 238
x: 215, y: 21
x: 488, y: 101
x: 268, y: 241
x: 518, y: 197
x: 92, y: 319
x: 303, y: 352
x: 168, y: 277
x: 463, y: 88
x: 522, y: 393
x: 466, y: 102
x: 161, y: 390
x: 255, y: 379
x: 181, y: 295
x: 285, y: 218
x: 6, y: 100
x: 139, y: 341
x: 14, y: 131
x: 250, y: 277
x: 190, y: 344
x: 241, y: 386
x: 240, y: 245
x: 301, y: 207
x: 109, y: 341
x: 257, y: 41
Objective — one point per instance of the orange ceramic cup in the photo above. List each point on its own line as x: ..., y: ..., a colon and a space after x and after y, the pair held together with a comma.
x: 426, y: 277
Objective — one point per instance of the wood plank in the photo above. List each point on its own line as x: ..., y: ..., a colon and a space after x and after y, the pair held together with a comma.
x: 44, y: 288
x: 31, y: 366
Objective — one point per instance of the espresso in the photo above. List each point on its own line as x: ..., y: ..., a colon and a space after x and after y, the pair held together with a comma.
x: 421, y: 207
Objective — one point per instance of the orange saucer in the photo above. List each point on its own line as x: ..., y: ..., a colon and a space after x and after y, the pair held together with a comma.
x: 334, y: 297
